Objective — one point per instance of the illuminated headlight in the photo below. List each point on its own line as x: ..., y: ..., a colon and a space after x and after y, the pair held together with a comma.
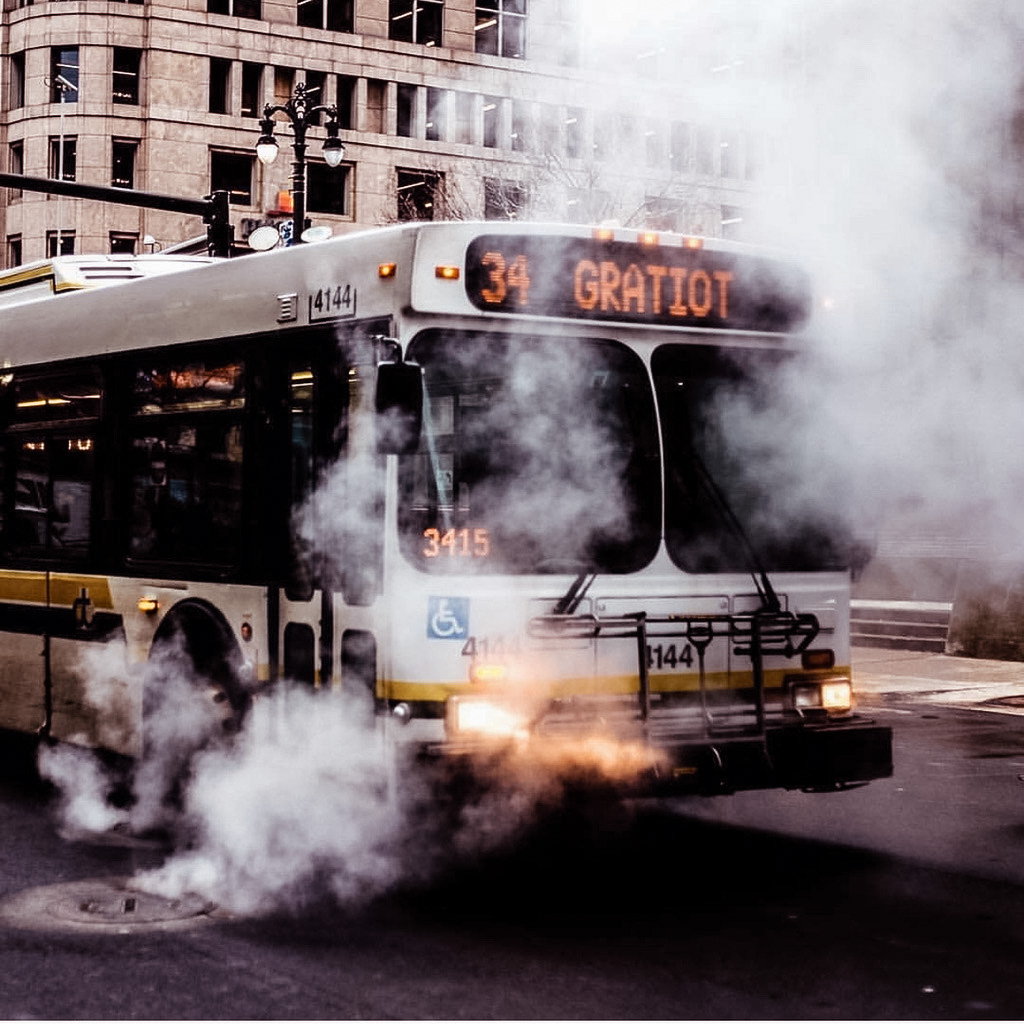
x: 469, y: 717
x: 832, y: 695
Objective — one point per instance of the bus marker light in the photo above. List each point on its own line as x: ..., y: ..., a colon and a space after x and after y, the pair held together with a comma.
x: 149, y: 605
x: 649, y: 238
x: 823, y: 658
x: 447, y: 272
x: 488, y: 673
x: 386, y: 269
x: 604, y: 234
x: 693, y: 243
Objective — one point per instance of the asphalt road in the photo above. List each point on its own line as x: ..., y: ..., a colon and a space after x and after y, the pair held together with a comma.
x: 901, y: 900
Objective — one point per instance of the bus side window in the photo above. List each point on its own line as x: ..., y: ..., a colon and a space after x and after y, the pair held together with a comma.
x: 186, y: 462
x: 51, y: 444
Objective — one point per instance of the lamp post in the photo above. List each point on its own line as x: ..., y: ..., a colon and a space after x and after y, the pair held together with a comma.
x: 299, y: 113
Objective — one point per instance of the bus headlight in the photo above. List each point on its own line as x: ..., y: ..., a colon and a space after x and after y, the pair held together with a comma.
x: 472, y: 717
x: 831, y: 695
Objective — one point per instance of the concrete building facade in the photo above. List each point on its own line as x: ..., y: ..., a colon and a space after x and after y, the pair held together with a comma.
x: 448, y: 108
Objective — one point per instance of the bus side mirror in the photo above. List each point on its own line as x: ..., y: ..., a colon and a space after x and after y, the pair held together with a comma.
x: 399, y: 406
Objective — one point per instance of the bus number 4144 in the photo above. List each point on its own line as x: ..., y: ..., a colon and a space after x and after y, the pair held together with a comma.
x: 333, y: 302
x: 659, y: 656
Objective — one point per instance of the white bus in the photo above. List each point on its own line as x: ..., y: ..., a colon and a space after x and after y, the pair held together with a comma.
x: 481, y: 475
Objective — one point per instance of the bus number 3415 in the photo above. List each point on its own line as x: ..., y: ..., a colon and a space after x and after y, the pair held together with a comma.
x: 464, y: 543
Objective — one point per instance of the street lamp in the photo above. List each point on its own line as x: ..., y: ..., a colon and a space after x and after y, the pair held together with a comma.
x: 299, y: 112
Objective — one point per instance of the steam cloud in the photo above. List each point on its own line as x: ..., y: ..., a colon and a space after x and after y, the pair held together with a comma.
x: 888, y: 169
x: 884, y: 136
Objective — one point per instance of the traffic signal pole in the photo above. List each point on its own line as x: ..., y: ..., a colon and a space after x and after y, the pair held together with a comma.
x: 213, y: 209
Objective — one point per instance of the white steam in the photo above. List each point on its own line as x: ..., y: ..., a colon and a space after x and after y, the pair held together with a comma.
x: 883, y: 140
x: 308, y: 801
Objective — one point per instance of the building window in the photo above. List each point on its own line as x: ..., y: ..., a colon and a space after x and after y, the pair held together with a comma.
x: 729, y: 155
x: 375, y: 112
x: 64, y: 74
x: 60, y: 243
x: 503, y: 200
x: 415, y: 21
x: 464, y: 110
x: 406, y: 103
x: 284, y: 85
x: 492, y: 111
x: 568, y: 32
x: 220, y: 85
x: 653, y: 147
x: 15, y: 165
x: 418, y: 192
x: 252, y: 90
x: 523, y: 135
x: 124, y: 242
x: 327, y: 189
x: 679, y: 143
x: 123, y: 163
x: 63, y: 158
x: 17, y: 91
x: 346, y: 101
x: 437, y: 114
x: 501, y: 27
x: 316, y: 94
x: 13, y: 250
x: 574, y: 133
x: 126, y: 74
x: 239, y: 8
x: 749, y: 157
x: 705, y: 150
x: 232, y: 173
x: 333, y: 15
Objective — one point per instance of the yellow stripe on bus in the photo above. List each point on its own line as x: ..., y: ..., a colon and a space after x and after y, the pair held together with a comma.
x: 30, y: 588
x: 617, y: 685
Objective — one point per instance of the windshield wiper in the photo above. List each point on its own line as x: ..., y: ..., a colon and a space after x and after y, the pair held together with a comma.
x: 769, y: 599
x: 570, y: 600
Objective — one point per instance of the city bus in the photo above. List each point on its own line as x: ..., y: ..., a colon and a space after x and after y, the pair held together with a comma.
x: 493, y: 482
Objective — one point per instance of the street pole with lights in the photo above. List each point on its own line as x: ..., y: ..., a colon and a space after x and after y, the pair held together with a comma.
x: 299, y: 113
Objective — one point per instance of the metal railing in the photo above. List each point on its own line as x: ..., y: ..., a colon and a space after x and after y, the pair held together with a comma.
x: 753, y: 635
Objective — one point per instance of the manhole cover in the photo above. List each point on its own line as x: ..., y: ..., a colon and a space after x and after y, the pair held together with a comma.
x: 107, y: 905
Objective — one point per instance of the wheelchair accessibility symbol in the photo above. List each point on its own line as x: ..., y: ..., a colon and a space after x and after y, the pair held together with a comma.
x: 447, y: 618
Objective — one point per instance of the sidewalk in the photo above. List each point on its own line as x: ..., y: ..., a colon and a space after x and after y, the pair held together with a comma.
x: 879, y: 674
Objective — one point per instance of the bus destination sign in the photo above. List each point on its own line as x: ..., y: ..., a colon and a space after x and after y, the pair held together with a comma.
x: 585, y: 278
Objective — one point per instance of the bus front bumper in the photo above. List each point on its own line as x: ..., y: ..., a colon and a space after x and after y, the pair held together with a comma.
x: 815, y: 757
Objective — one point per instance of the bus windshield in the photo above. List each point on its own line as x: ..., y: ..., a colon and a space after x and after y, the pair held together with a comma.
x: 538, y: 454
x: 724, y: 412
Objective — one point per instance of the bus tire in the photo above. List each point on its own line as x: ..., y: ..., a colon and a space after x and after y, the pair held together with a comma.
x: 194, y: 658
x: 195, y: 638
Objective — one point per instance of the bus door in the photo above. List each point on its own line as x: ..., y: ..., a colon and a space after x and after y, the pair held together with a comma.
x: 335, y: 511
x: 298, y: 602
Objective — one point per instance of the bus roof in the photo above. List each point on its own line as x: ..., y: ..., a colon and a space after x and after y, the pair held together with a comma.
x: 574, y: 273
x: 61, y: 274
